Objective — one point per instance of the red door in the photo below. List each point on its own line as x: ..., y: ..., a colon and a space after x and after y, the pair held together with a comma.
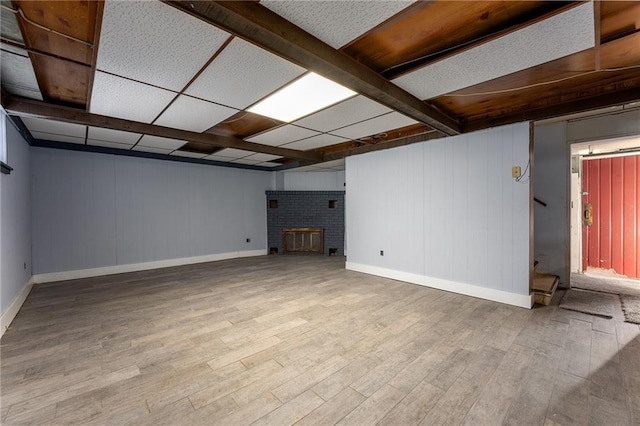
x: 612, y: 240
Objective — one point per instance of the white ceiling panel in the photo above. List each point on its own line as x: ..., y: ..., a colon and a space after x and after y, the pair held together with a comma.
x: 189, y: 154
x: 282, y: 135
x: 316, y: 142
x: 56, y: 127
x: 233, y: 153
x: 151, y: 149
x: 336, y: 22
x: 214, y: 157
x: 269, y: 164
x: 545, y: 41
x: 243, y: 74
x: 118, y: 97
x: 9, y: 27
x: 192, y: 114
x: 159, y: 142
x: 57, y: 138
x: 152, y: 42
x: 110, y: 135
x: 343, y: 114
x: 263, y: 157
x: 97, y: 142
x: 245, y: 161
x: 380, y: 124
x: 16, y: 73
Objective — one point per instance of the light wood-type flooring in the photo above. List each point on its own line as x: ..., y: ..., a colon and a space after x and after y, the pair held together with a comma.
x: 280, y: 340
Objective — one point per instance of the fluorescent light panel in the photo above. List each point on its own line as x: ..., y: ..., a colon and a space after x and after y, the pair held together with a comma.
x: 304, y: 96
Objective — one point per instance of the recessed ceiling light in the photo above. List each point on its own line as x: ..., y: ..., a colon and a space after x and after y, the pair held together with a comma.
x: 304, y: 96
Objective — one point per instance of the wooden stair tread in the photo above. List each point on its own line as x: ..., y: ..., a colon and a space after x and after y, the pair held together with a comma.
x: 544, y: 286
x: 544, y: 282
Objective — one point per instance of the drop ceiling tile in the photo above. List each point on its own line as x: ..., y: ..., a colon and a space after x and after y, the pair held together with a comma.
x: 16, y: 73
x: 189, y: 154
x: 57, y: 138
x: 151, y: 149
x: 245, y: 161
x: 336, y: 22
x: 243, y: 74
x: 56, y: 127
x: 152, y: 42
x: 111, y: 135
x: 121, y: 98
x: 232, y: 153
x: 522, y: 49
x: 159, y: 142
x: 269, y: 164
x: 9, y: 27
x: 263, y: 157
x: 282, y: 135
x: 192, y: 114
x: 343, y: 114
x: 218, y: 158
x: 316, y: 142
x: 97, y: 142
x: 380, y: 124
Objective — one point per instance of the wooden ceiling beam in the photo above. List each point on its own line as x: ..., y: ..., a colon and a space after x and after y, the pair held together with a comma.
x: 29, y: 107
x: 383, y: 145
x: 576, y: 106
x: 259, y: 25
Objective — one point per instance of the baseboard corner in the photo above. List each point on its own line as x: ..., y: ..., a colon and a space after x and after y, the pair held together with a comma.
x: 11, y: 312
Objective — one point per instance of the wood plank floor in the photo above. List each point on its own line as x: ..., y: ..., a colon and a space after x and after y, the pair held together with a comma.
x: 299, y: 340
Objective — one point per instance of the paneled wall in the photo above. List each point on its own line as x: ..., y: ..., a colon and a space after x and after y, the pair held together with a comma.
x: 445, y: 214
x: 312, y: 181
x: 15, y: 226
x: 607, y: 126
x: 95, y: 210
x: 551, y: 186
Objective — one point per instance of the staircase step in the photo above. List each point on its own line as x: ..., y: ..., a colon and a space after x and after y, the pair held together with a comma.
x: 544, y: 286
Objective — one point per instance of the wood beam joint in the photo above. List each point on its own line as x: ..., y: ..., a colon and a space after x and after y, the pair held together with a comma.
x: 29, y: 107
x: 257, y: 24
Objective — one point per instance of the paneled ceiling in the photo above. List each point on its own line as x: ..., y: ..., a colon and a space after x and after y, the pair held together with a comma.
x: 176, y: 78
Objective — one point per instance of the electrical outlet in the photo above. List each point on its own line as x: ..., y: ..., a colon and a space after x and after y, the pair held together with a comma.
x: 248, y: 240
x: 25, y: 266
x: 515, y: 172
x: 381, y: 252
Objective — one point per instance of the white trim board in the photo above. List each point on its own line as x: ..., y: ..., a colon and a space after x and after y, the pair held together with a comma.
x: 13, y: 309
x: 135, y: 267
x: 520, y: 300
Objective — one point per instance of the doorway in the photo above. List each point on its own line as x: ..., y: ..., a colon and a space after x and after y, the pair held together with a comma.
x: 605, y: 209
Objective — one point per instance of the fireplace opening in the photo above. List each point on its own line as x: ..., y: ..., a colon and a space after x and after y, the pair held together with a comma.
x: 303, y: 240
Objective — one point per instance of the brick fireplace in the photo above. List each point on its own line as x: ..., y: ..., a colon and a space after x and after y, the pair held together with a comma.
x: 305, y: 222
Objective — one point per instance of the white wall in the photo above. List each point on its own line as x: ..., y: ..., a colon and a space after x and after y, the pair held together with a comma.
x: 15, y: 227
x: 608, y: 126
x: 96, y: 210
x: 312, y: 181
x: 447, y: 214
x: 551, y: 185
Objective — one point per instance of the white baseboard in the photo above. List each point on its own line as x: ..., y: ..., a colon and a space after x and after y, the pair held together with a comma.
x: 10, y: 313
x: 520, y: 300
x: 134, y: 267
